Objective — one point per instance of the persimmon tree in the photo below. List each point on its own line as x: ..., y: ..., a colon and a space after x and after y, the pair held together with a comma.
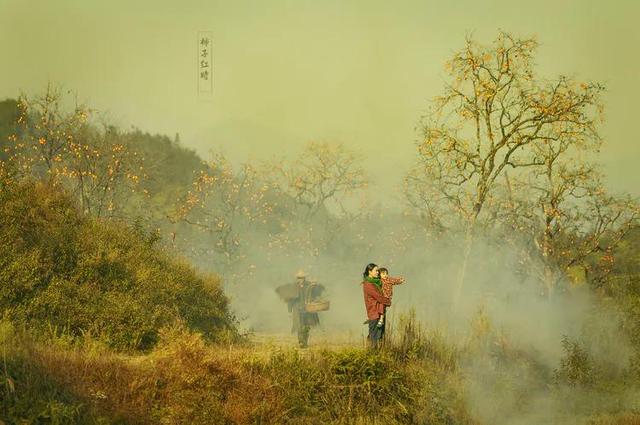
x: 103, y: 171
x: 44, y: 131
x: 492, y: 111
x: 322, y: 181
x: 564, y: 207
x: 224, y: 202
x: 566, y: 190
x: 321, y: 178
x: 94, y: 162
x: 563, y: 222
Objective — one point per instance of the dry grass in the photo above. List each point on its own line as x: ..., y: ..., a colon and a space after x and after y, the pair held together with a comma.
x: 624, y: 419
x: 415, y: 378
x: 187, y: 381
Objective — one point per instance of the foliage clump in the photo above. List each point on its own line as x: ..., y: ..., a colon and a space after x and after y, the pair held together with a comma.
x: 63, y: 272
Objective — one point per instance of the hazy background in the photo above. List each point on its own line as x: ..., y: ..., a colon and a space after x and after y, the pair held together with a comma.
x: 289, y: 72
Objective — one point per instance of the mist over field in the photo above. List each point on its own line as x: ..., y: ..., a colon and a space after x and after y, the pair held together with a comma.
x: 502, y: 313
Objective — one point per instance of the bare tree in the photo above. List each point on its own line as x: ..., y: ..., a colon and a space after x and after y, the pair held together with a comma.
x: 321, y: 182
x: 321, y: 178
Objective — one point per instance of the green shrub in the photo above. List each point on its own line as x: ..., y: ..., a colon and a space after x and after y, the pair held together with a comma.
x: 59, y: 269
x: 576, y: 367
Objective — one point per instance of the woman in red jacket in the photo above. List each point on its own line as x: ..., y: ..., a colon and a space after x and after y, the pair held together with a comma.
x: 374, y: 303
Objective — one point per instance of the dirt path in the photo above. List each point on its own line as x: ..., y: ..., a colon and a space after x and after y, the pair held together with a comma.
x: 318, y: 340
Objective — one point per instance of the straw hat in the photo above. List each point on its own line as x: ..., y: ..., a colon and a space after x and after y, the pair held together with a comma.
x: 300, y: 275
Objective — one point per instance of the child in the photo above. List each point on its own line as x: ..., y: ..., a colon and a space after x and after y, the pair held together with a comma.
x: 387, y: 288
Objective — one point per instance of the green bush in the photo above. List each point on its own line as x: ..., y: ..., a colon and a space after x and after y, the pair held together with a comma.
x: 81, y: 275
x: 576, y: 367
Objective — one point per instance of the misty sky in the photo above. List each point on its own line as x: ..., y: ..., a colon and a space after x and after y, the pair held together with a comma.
x: 289, y: 72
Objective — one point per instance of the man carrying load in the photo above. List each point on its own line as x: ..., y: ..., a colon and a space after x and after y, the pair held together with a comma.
x: 303, y: 300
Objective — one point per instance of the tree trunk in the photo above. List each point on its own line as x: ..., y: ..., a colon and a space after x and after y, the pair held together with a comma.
x: 547, y: 253
x: 468, y: 242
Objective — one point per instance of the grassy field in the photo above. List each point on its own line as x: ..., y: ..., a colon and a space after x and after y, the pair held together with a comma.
x: 418, y: 378
x: 188, y: 381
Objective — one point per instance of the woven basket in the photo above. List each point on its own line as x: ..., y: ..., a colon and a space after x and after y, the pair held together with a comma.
x: 312, y: 307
